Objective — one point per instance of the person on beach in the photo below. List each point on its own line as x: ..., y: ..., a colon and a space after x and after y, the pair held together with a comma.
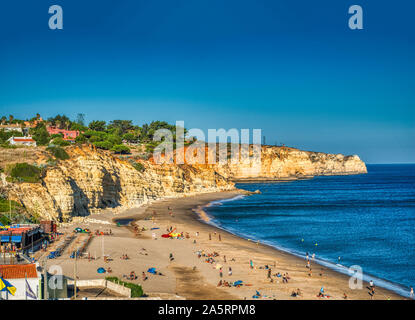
x: 224, y: 259
x: 220, y: 238
x: 306, y: 255
x: 210, y: 236
x: 371, y: 284
x: 251, y: 264
x: 269, y: 273
x: 411, y: 294
x: 171, y: 257
x: 220, y: 272
x: 314, y: 255
x: 230, y: 271
x: 144, y: 276
x: 372, y: 292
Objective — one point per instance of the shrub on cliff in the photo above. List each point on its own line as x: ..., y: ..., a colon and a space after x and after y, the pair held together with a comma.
x: 106, y: 145
x: 58, y: 153
x: 121, y: 149
x: 24, y: 172
x: 59, y: 141
x: 138, y: 166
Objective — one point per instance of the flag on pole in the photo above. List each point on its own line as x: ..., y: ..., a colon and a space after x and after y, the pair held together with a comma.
x: 7, y: 286
x: 29, y: 291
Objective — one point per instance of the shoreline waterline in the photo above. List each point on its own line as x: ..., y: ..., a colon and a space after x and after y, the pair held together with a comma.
x: 342, y: 269
x: 187, y: 219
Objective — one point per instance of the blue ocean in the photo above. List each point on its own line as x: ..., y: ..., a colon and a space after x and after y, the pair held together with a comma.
x: 366, y: 220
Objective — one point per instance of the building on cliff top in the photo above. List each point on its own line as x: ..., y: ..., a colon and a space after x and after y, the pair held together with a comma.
x: 11, y: 127
x: 22, y: 141
x: 69, y: 135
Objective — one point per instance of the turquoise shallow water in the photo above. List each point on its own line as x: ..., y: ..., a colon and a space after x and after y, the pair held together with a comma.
x: 366, y: 220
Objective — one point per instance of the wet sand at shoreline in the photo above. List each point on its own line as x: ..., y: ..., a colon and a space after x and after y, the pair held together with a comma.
x: 191, y: 277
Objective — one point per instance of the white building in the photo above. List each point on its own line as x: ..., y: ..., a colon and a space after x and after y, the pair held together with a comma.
x: 16, y: 275
x: 22, y: 141
x: 11, y: 127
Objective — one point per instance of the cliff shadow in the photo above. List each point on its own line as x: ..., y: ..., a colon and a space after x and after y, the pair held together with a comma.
x: 111, y: 189
x: 80, y: 200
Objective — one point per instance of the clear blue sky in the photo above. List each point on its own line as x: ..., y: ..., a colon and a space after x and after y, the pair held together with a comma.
x: 292, y: 68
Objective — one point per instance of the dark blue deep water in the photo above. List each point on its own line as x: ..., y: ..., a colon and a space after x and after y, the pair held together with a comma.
x: 367, y: 220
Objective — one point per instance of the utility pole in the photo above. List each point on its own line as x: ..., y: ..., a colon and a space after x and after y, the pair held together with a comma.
x: 25, y: 285
x: 45, y: 280
x: 74, y: 276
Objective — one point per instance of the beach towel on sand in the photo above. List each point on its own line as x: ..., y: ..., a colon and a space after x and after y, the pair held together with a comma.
x: 152, y: 270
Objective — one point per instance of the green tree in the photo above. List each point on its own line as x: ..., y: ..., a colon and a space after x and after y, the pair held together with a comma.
x: 130, y: 137
x: 121, y: 149
x: 106, y: 145
x: 121, y: 126
x: 60, y: 121
x: 4, y: 136
x: 97, y: 125
x: 40, y: 134
x: 80, y: 119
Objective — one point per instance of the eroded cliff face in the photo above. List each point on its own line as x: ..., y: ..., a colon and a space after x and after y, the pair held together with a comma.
x: 288, y: 163
x: 92, y: 180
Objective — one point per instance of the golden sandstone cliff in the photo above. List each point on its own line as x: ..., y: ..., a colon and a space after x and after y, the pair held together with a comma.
x: 281, y: 163
x: 92, y: 179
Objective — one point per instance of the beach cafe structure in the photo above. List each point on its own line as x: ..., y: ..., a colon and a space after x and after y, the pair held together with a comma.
x: 25, y: 280
x: 22, y: 237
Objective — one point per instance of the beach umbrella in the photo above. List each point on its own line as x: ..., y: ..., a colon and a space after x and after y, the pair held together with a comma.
x: 101, y: 270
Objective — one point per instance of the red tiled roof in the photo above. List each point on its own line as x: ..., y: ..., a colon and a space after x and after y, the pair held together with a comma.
x: 18, y: 271
x: 15, y: 231
x: 23, y: 140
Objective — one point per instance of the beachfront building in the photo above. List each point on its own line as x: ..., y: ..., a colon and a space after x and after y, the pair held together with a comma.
x: 22, y: 141
x: 69, y: 135
x: 23, y: 237
x: 25, y: 278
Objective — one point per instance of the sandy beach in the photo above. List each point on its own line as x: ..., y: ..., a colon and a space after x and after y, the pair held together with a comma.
x: 188, y: 275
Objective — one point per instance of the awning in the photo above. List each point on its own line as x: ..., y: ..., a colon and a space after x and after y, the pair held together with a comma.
x: 16, y: 238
